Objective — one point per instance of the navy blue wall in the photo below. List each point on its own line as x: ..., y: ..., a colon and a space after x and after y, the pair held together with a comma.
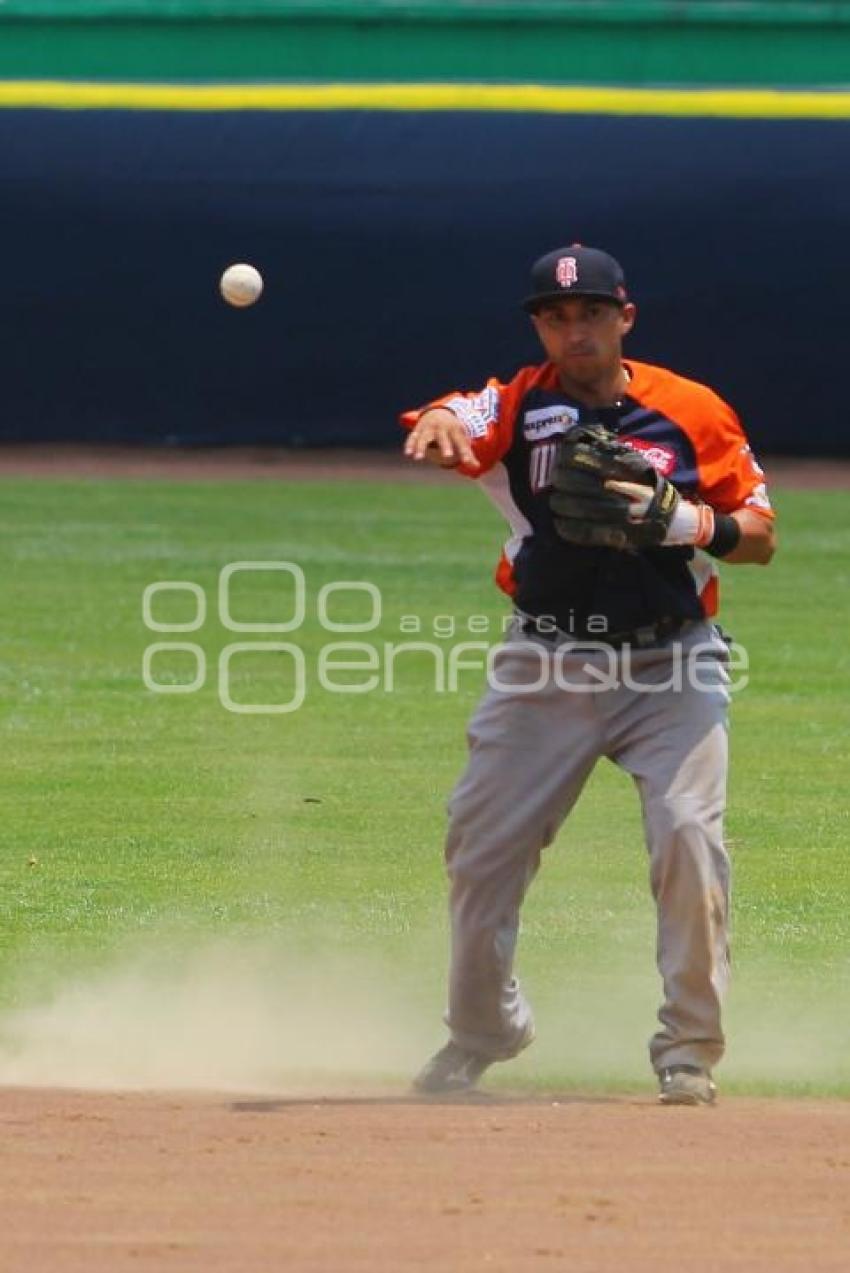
x: 395, y: 248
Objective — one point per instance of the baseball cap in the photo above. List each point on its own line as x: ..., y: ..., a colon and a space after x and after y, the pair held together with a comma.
x: 575, y: 271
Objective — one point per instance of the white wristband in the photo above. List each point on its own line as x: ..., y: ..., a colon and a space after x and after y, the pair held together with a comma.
x: 690, y: 524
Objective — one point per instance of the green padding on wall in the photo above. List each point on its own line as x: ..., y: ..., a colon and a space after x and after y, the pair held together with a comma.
x: 676, y: 11
x: 780, y: 43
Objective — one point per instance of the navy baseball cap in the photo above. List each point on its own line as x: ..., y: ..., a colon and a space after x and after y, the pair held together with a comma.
x: 575, y: 271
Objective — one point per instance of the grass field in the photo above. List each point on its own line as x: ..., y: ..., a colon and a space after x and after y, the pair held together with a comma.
x: 173, y: 868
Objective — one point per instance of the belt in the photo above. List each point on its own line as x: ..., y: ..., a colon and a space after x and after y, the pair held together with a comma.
x: 644, y: 637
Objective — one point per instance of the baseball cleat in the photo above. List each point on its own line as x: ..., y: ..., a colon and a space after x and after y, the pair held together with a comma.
x: 458, y: 1069
x: 686, y: 1085
x: 452, y: 1069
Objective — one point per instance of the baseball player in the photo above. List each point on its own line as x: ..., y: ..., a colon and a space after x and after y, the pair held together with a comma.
x: 622, y: 484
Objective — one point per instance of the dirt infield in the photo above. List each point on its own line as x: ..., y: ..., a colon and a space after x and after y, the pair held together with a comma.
x: 189, y: 464
x: 278, y: 463
x: 202, y: 1182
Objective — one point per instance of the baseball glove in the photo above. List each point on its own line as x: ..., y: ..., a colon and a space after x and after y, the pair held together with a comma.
x: 606, y: 495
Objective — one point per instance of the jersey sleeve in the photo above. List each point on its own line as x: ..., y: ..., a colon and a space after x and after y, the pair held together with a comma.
x: 488, y: 415
x: 730, y: 477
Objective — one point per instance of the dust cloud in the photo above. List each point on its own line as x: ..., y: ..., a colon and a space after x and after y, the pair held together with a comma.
x: 791, y: 1032
x: 266, y: 1017
x: 785, y: 1033
x: 230, y: 1017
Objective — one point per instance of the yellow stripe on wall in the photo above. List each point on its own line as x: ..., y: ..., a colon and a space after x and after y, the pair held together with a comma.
x: 528, y: 98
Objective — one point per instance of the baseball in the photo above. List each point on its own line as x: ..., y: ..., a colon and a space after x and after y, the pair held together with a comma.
x: 241, y: 285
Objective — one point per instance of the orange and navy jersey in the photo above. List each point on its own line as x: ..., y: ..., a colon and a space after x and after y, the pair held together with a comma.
x: 683, y: 428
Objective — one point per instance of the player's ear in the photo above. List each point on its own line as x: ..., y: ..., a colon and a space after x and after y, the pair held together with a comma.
x: 628, y: 314
x: 535, y: 322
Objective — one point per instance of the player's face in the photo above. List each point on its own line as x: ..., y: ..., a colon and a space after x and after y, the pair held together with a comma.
x: 583, y: 336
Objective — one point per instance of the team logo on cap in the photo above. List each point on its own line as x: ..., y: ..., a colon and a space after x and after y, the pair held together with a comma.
x: 566, y: 271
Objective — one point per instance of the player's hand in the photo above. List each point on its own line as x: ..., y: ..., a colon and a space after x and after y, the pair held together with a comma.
x: 440, y: 436
x: 607, y: 495
x: 688, y: 523
x: 639, y: 497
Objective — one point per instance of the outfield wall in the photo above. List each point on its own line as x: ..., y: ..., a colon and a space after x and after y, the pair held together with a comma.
x: 730, y: 42
x: 394, y: 223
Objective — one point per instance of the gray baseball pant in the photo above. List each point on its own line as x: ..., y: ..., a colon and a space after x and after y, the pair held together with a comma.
x: 533, y: 745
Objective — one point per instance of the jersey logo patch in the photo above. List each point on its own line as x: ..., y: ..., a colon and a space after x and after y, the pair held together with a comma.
x: 662, y: 458
x: 547, y: 422
x: 476, y: 412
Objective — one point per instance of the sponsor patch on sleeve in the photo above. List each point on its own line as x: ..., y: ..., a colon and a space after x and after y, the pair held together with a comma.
x: 747, y: 450
x: 477, y: 411
x: 759, y: 498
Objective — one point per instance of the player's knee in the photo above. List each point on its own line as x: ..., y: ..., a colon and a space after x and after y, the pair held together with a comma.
x: 685, y: 819
x: 687, y: 833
